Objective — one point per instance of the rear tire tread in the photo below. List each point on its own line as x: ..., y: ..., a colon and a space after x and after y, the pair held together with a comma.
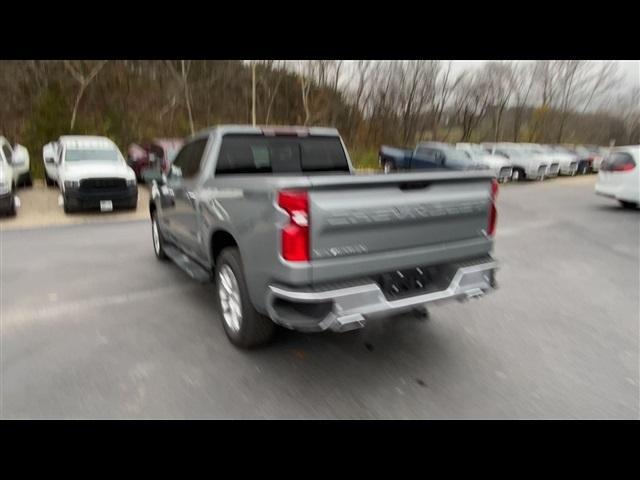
x: 256, y: 329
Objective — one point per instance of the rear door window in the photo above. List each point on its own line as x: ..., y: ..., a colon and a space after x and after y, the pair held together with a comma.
x: 243, y: 154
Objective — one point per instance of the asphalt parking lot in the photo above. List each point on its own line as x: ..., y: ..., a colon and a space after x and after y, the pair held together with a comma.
x: 93, y: 326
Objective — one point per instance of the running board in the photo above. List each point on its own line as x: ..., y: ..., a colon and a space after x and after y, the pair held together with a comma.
x: 193, y: 269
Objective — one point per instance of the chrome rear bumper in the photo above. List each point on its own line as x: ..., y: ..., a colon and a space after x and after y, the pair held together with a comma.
x: 348, y: 308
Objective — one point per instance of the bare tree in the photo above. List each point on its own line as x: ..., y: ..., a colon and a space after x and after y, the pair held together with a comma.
x: 83, y: 72
x: 183, y: 79
x: 305, y: 87
x: 445, y: 86
x: 500, y: 85
x: 471, y: 101
x: 524, y: 77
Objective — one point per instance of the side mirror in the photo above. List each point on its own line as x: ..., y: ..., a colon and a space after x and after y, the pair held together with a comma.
x: 151, y: 174
x: 174, y: 172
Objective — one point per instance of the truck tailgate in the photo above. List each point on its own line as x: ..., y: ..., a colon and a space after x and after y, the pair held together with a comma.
x: 367, y: 224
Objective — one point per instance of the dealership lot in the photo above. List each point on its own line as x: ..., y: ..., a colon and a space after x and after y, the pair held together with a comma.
x: 92, y: 326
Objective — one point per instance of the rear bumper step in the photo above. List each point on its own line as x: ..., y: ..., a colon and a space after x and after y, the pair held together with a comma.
x: 350, y: 307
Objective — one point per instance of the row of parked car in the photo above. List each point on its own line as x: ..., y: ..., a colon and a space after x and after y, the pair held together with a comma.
x: 90, y: 171
x: 508, y: 161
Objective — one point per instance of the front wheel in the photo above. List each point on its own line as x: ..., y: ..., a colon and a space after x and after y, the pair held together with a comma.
x: 65, y: 204
x: 625, y: 204
x: 244, y: 325
x: 388, y: 166
x: 158, y: 241
x: 47, y: 180
x: 12, y: 208
x: 516, y: 175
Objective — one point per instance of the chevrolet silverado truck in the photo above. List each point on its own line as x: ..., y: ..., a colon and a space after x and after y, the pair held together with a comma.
x: 291, y: 236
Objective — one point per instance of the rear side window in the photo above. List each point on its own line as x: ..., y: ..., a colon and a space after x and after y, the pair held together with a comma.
x: 242, y: 154
x: 189, y: 158
x: 618, y: 161
x: 7, y: 153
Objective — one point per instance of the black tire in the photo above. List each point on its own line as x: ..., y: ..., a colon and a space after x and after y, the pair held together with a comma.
x: 12, y: 208
x: 388, y: 166
x: 517, y: 175
x: 47, y: 181
x: 159, y: 250
x: 629, y: 205
x: 255, y: 329
x: 65, y: 205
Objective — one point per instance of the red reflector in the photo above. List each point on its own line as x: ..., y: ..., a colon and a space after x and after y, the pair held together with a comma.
x: 493, y: 212
x: 624, y: 167
x: 295, y: 236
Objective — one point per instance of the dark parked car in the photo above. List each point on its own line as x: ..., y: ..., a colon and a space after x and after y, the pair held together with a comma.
x: 155, y: 155
x: 426, y: 156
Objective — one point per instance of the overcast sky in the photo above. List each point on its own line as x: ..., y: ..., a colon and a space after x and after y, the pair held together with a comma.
x: 630, y: 69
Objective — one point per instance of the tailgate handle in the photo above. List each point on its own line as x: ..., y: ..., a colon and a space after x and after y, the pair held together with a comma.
x: 413, y: 185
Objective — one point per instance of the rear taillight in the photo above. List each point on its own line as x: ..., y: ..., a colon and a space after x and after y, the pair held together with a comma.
x: 493, y: 212
x: 295, y: 235
x: 623, y: 167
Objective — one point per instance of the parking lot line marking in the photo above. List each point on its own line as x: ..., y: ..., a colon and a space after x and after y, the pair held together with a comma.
x: 20, y: 316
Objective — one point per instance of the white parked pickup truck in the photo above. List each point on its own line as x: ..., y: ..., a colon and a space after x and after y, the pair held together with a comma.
x: 92, y: 173
x: 18, y: 158
x: 527, y: 165
x: 499, y: 165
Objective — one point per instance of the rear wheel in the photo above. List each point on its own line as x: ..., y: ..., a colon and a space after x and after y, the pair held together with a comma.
x: 244, y: 325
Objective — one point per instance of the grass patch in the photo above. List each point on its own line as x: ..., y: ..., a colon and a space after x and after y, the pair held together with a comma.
x: 364, y: 159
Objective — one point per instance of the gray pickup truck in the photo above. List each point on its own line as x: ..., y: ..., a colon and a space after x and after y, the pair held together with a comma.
x: 290, y: 235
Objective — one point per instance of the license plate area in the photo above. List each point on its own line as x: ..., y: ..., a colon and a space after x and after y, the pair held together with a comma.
x: 106, y: 205
x: 414, y: 281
